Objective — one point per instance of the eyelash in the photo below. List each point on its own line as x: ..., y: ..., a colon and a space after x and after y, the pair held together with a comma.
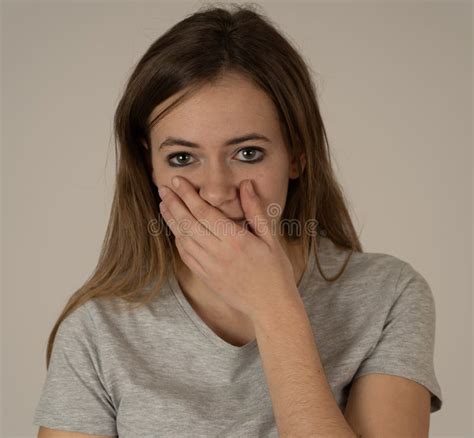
x: 171, y: 156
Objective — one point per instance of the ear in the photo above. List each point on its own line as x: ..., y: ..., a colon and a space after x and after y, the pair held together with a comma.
x: 144, y: 145
x: 293, y: 171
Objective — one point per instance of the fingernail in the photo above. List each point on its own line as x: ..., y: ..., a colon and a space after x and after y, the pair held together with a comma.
x: 163, y: 191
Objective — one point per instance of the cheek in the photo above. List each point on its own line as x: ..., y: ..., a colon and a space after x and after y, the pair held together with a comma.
x: 162, y: 173
x: 272, y: 191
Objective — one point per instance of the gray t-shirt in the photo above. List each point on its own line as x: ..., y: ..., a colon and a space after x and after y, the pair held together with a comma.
x: 160, y: 371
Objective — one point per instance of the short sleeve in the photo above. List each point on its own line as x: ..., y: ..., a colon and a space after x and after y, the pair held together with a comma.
x: 406, y: 345
x: 73, y: 396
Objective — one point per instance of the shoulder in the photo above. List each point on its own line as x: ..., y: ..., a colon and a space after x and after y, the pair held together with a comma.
x: 386, y: 289
x: 362, y: 267
x: 79, y: 320
x: 402, y: 275
x: 374, y: 278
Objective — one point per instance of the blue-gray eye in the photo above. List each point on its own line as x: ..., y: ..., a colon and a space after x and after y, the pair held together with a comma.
x: 182, y: 162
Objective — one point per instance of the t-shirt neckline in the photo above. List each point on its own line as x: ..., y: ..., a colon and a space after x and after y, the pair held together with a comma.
x: 206, y: 331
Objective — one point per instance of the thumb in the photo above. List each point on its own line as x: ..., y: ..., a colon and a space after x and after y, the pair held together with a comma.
x: 254, y: 210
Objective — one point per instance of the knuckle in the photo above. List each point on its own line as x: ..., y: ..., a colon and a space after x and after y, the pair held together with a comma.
x: 202, y: 209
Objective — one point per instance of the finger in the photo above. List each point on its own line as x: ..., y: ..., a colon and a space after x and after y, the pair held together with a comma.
x: 185, y: 224
x: 255, y: 213
x: 183, y: 240
x: 190, y: 259
x: 210, y: 217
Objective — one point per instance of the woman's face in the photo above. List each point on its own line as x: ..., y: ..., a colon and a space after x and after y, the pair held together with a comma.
x: 210, y: 118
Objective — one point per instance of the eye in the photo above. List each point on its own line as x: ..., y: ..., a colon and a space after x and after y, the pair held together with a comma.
x: 179, y: 155
x: 252, y: 149
x: 182, y: 161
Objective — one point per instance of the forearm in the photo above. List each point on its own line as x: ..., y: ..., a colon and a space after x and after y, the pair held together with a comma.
x: 303, y: 403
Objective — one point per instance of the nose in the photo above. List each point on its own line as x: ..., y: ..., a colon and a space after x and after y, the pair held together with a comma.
x: 220, y: 188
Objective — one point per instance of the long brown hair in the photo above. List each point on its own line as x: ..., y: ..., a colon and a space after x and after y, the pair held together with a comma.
x: 197, y: 51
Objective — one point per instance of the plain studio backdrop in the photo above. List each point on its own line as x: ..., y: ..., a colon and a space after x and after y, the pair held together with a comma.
x: 394, y: 81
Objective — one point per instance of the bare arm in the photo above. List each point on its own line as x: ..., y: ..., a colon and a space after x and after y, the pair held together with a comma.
x: 302, y: 400
x: 45, y: 432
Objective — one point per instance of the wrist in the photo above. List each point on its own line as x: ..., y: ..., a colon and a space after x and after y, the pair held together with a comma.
x: 287, y: 308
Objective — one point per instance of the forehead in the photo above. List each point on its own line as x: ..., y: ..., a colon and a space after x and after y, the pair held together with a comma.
x: 220, y: 110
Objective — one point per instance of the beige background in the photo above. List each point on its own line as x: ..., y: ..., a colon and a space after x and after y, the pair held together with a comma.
x: 395, y: 88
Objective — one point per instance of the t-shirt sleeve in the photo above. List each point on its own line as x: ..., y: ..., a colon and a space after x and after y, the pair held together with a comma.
x: 73, y: 396
x: 406, y: 345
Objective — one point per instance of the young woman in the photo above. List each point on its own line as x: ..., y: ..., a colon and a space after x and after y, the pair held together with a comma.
x: 211, y: 312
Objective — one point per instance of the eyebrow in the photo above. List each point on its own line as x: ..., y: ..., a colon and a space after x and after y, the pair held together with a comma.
x: 175, y: 141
